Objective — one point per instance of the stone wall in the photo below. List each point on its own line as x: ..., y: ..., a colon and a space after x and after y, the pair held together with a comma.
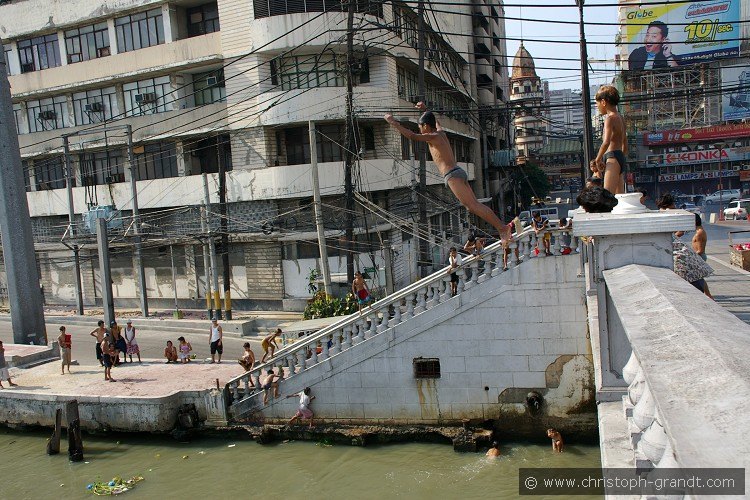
x: 524, y: 330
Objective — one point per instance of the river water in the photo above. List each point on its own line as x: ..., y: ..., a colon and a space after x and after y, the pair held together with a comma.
x: 220, y: 468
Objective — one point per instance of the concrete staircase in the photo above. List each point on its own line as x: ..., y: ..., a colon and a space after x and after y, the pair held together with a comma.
x: 404, y: 315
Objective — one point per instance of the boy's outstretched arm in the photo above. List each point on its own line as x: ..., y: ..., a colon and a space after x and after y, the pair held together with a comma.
x: 421, y: 106
x: 405, y: 131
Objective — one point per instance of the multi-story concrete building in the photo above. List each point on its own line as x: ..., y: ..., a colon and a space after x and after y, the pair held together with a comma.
x: 564, y: 111
x: 686, y: 124
x: 233, y: 84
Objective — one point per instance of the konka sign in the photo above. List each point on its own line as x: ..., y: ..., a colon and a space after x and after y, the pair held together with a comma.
x: 707, y: 156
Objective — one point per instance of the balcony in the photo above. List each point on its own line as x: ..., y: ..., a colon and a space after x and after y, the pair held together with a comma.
x: 181, y: 54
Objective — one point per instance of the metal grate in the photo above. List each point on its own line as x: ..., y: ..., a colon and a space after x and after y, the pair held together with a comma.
x: 426, y: 367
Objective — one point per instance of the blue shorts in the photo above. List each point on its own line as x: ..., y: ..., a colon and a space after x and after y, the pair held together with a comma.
x: 619, y: 156
x: 455, y: 173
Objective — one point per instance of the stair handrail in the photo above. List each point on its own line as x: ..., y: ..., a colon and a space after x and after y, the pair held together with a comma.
x: 381, y: 304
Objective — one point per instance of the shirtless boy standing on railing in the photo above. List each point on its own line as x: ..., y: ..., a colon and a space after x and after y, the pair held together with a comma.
x: 454, y: 176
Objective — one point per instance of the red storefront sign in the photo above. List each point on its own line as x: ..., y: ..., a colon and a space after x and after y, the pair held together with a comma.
x: 684, y: 135
x: 745, y: 175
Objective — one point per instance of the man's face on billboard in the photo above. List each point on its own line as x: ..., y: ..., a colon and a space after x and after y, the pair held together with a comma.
x: 653, y: 39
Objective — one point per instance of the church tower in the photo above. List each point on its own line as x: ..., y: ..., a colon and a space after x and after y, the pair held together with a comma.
x: 526, y: 94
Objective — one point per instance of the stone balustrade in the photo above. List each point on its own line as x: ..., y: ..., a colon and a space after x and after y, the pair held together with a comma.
x: 688, y: 394
x: 419, y: 297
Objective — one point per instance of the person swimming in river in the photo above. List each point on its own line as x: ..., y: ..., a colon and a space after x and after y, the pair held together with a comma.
x: 611, y: 161
x: 455, y: 178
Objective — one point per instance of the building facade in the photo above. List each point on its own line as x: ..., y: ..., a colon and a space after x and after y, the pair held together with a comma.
x: 526, y: 96
x: 231, y: 85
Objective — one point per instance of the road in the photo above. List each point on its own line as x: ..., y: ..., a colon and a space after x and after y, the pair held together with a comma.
x: 151, y: 342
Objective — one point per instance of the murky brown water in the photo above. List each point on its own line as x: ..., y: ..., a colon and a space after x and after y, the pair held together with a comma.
x: 294, y: 470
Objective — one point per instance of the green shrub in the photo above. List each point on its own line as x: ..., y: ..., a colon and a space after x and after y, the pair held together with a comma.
x: 323, y: 305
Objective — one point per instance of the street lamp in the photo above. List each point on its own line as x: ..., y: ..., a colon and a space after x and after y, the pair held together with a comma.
x: 585, y: 97
x: 720, y: 146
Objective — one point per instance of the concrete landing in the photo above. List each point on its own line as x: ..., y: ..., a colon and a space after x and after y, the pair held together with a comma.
x: 24, y: 355
x: 144, y: 398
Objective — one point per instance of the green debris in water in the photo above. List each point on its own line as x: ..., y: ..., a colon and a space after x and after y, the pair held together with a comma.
x: 114, y: 487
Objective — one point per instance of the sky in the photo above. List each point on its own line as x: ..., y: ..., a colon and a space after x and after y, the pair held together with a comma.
x: 568, y: 73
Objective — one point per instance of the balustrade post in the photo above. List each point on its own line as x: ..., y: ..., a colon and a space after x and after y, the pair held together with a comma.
x: 485, y: 264
x: 383, y: 325
x: 461, y: 281
x: 556, y: 246
x: 292, y: 361
x: 279, y: 370
x: 409, y: 306
x: 324, y: 353
x: 313, y: 359
x: 235, y: 391
x: 374, y: 322
x: 527, y: 247
x: 396, y: 314
x: 420, y: 301
x: 498, y: 261
x: 255, y: 377
x: 348, y: 333
x: 246, y: 380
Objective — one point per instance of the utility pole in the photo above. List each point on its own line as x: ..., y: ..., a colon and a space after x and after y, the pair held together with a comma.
x: 72, y: 226
x: 105, y: 273
x: 588, y: 145
x: 206, y: 261
x: 319, y: 210
x: 350, y: 145
x: 212, y: 251
x: 24, y: 293
x: 174, y: 279
x: 224, y: 227
x: 388, y: 260
x: 137, y: 226
x: 424, y: 248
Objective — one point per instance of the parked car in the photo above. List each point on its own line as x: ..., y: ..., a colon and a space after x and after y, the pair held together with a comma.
x: 549, y: 212
x: 690, y: 207
x: 726, y: 195
x: 737, y: 210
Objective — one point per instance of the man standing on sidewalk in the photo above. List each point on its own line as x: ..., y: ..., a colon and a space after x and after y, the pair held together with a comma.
x: 215, y: 338
x: 98, y: 334
x: 700, y: 238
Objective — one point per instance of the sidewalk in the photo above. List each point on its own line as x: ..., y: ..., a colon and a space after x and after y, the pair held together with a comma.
x: 730, y: 287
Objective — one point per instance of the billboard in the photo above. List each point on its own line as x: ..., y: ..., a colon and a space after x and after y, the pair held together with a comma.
x: 680, y: 33
x: 735, y: 100
x: 698, y: 157
x: 685, y: 135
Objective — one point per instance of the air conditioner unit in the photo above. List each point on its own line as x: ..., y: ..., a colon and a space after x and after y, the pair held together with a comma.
x: 94, y: 107
x: 26, y: 68
x: 103, y: 52
x: 47, y: 115
x: 147, y: 97
x: 211, y: 81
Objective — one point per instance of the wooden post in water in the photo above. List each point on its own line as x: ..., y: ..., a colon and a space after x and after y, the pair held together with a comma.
x: 53, y: 443
x: 75, y: 443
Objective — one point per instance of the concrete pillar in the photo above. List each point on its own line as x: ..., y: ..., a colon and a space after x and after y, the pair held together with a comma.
x: 635, y: 235
x: 63, y: 48
x: 25, y: 297
x: 14, y: 62
x: 169, y: 18
x: 183, y: 168
x: 191, y: 272
x: 112, y: 36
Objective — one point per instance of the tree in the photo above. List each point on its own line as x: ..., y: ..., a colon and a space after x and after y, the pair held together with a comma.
x: 532, y: 182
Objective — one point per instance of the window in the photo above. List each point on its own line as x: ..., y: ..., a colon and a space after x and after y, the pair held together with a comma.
x: 426, y: 367
x: 146, y: 96
x: 103, y: 167
x: 207, y: 151
x: 209, y: 87
x: 203, y: 19
x: 159, y: 161
x: 95, y: 106
x: 265, y: 8
x: 88, y: 42
x: 47, y: 114
x: 39, y: 53
x: 6, y: 52
x: 26, y: 176
x: 368, y: 134
x: 297, y: 146
x: 139, y: 31
x: 527, y: 89
x: 49, y: 173
x: 329, y: 140
x: 303, y: 72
